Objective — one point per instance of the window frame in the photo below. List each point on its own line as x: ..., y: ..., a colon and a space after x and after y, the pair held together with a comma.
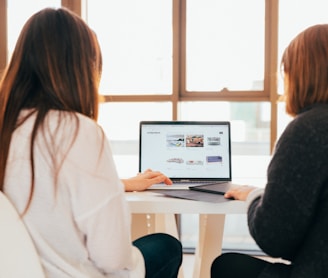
x: 179, y: 92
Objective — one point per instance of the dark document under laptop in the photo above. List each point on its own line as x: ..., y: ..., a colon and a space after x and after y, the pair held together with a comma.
x: 190, y: 153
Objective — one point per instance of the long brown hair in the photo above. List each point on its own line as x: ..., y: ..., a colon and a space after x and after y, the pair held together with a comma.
x: 56, y: 65
x: 305, y: 65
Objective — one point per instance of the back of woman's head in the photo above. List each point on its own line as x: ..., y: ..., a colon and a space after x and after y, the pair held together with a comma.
x: 305, y: 65
x: 56, y: 64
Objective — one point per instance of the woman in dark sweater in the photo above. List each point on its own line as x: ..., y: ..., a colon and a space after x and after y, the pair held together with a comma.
x: 289, y: 218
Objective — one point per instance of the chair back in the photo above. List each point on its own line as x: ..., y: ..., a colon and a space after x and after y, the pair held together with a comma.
x: 18, y: 256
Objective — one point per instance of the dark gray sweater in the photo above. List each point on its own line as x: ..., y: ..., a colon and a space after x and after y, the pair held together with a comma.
x: 290, y: 220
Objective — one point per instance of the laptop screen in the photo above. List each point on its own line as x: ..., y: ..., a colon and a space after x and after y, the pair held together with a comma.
x: 186, y: 150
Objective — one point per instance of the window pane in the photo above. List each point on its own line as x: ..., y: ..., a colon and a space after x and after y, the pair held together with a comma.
x: 308, y: 13
x: 250, y: 123
x: 225, y: 45
x: 120, y: 122
x: 18, y: 13
x: 136, y: 41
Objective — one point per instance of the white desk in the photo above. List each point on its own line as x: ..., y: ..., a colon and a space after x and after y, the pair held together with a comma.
x: 154, y: 213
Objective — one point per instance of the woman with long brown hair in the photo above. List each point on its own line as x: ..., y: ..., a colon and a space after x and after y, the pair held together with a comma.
x: 56, y: 165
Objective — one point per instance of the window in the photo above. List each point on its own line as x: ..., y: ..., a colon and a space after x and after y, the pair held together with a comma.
x: 191, y: 54
x: 18, y: 12
x: 308, y: 13
x: 224, y: 45
x: 136, y: 43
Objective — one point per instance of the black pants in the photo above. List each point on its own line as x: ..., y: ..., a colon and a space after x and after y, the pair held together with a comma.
x: 235, y: 265
x: 162, y: 254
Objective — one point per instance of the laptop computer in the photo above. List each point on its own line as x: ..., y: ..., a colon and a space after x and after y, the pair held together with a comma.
x: 190, y: 153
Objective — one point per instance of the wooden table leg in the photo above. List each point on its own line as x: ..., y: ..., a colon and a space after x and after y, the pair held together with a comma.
x: 144, y: 224
x: 141, y: 225
x: 211, y: 227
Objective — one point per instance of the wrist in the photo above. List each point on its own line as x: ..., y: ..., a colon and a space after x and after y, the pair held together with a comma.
x: 255, y: 193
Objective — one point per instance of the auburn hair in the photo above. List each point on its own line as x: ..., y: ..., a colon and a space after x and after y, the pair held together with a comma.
x: 305, y: 66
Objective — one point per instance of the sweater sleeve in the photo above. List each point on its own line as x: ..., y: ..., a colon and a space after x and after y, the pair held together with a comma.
x: 254, y: 194
x: 99, y: 206
x: 280, y: 220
